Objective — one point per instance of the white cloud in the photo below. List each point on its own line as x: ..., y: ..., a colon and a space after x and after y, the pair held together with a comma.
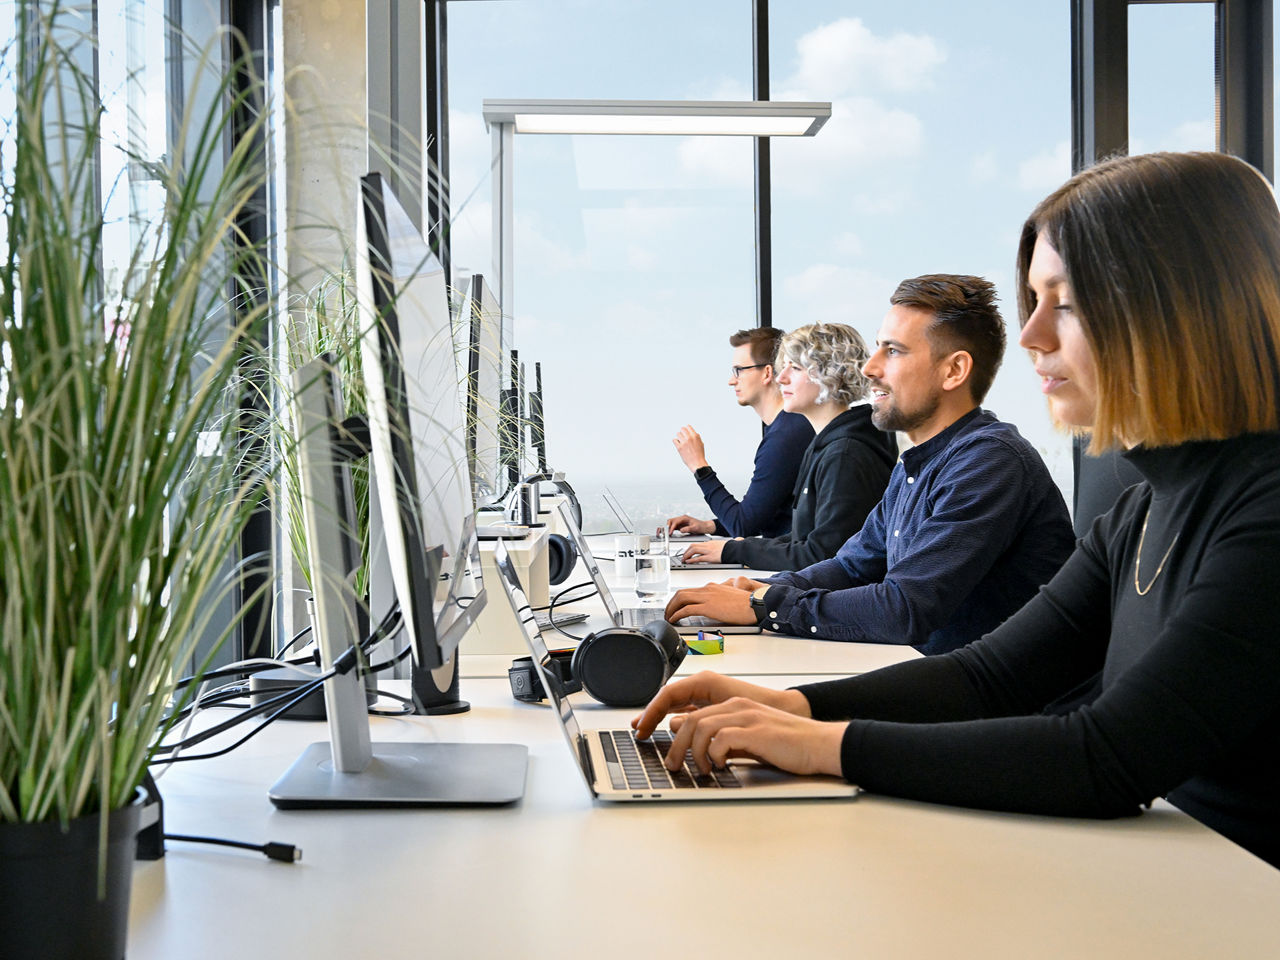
x: 1193, y: 135
x: 845, y: 57
x: 828, y: 293
x: 1047, y: 170
x: 722, y: 161
x: 862, y: 134
x: 725, y: 88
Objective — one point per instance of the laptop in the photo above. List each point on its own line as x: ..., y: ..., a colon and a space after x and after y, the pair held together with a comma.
x: 678, y: 564
x: 636, y: 615
x: 618, y: 767
x: 678, y: 541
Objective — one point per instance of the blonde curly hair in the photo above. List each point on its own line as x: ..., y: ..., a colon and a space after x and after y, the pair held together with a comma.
x: 832, y: 354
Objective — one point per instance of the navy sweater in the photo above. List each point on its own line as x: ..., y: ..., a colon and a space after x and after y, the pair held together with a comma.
x: 765, y: 509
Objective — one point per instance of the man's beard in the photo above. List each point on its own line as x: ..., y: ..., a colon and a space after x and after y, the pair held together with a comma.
x: 888, y: 416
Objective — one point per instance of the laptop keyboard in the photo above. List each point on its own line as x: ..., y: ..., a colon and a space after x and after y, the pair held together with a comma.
x: 637, y: 765
x: 638, y: 617
x: 562, y: 619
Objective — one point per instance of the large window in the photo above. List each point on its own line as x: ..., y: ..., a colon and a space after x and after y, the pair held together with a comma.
x: 633, y: 256
x: 152, y: 60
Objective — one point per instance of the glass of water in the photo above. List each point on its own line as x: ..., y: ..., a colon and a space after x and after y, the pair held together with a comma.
x: 653, y: 568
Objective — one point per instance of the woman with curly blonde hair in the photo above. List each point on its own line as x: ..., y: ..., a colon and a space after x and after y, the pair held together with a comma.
x: 846, y: 466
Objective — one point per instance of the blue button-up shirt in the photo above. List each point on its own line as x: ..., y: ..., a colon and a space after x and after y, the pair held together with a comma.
x: 970, y: 527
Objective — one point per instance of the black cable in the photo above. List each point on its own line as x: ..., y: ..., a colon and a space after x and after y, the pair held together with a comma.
x: 284, y: 852
x: 296, y: 637
x: 214, y: 698
x: 244, y: 715
x: 345, y: 662
x: 301, y: 694
x: 388, y: 664
x: 559, y: 597
x: 404, y: 711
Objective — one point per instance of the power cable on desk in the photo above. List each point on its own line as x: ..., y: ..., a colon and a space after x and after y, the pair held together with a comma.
x: 292, y: 643
x: 559, y: 598
x: 347, y: 661
x: 406, y: 710
x: 293, y: 697
x: 284, y: 852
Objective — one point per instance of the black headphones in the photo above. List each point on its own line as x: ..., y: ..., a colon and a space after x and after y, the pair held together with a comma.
x: 620, y: 667
x: 562, y: 557
x: 558, y: 481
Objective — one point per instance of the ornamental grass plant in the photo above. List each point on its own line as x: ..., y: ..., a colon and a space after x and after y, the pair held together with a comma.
x: 128, y: 465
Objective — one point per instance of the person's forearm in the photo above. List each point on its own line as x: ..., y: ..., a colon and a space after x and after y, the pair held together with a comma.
x: 780, y: 553
x: 746, y: 517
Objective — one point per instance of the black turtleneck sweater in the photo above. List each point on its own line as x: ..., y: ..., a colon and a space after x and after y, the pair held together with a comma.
x: 1188, y: 657
x: 842, y: 477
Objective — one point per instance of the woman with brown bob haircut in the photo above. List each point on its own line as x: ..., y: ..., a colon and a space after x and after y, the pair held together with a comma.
x: 1149, y: 295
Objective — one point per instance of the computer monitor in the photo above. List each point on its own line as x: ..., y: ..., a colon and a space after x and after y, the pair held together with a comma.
x: 427, y: 526
x: 537, y: 423
x: 416, y: 419
x: 482, y: 320
x: 511, y: 423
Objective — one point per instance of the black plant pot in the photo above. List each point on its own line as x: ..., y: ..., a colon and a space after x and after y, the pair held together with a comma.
x: 49, y: 905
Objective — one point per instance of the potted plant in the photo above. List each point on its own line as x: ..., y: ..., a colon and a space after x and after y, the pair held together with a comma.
x: 125, y: 475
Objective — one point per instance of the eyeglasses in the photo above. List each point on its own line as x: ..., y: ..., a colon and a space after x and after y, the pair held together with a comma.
x: 736, y: 372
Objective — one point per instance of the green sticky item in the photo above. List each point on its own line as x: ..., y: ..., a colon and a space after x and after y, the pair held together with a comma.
x: 706, y: 643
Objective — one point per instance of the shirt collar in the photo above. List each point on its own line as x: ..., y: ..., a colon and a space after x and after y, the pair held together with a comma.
x: 915, y: 458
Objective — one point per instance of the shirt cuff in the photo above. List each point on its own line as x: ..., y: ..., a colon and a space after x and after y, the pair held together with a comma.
x: 774, y: 599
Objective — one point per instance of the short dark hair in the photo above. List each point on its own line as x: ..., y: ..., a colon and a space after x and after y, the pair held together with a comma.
x: 965, y: 318
x: 763, y: 340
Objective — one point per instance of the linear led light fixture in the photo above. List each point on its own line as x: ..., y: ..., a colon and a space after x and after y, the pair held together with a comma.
x: 724, y: 118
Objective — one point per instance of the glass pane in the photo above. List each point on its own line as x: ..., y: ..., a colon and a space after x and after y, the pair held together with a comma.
x: 633, y: 255
x: 949, y: 123
x: 1171, y: 77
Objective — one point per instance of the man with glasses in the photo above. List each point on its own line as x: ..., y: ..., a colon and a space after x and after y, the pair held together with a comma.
x: 765, y: 508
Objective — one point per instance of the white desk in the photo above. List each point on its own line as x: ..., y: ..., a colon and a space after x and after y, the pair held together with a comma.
x: 745, y: 654
x: 556, y: 874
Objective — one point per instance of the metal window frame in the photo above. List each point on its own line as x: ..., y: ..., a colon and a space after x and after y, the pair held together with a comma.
x: 1244, y: 122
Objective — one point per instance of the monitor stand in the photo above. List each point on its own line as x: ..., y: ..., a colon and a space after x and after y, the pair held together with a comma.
x: 406, y: 775
x: 348, y: 770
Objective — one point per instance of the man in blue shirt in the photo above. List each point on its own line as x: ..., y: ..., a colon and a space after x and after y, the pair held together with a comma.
x: 971, y: 524
x: 765, y: 508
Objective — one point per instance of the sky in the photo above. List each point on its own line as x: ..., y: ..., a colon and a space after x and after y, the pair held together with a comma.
x: 634, y: 256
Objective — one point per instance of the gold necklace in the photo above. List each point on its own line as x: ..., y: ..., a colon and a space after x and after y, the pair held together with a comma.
x: 1137, y: 563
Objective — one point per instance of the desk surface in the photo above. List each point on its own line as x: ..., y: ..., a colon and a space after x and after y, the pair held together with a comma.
x: 745, y: 654
x: 557, y: 873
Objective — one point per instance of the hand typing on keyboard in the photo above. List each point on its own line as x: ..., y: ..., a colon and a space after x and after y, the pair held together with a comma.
x: 717, y: 717
x: 706, y: 552
x: 724, y: 602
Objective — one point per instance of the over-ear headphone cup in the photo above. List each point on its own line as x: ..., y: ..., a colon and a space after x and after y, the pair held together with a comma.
x: 668, y: 637
x: 620, y: 668
x: 562, y: 557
